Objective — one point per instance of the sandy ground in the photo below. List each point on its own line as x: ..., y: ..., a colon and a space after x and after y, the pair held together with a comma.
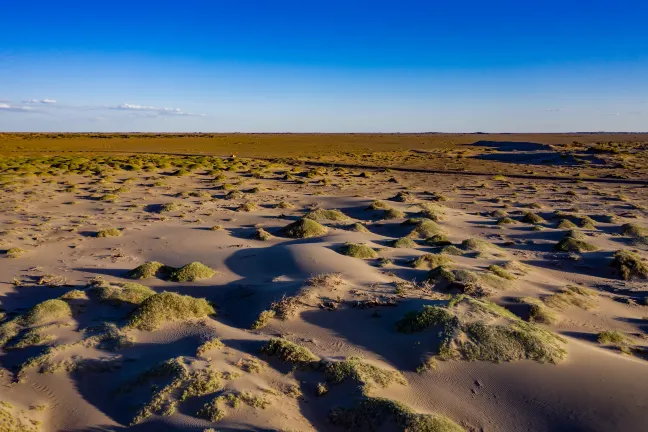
x: 597, y: 386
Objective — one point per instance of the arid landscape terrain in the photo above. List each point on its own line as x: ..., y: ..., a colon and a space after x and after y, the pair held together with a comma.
x: 302, y: 282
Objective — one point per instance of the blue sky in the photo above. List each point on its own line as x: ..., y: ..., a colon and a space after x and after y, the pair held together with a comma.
x: 324, y: 66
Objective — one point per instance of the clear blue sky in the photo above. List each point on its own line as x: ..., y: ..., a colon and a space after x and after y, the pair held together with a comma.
x: 306, y: 65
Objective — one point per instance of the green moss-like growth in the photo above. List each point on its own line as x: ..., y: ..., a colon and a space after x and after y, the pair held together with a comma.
x: 262, y: 235
x: 304, y: 228
x: 629, y: 265
x: 247, y: 207
x: 431, y: 261
x: 148, y: 270
x: 289, y: 352
x: 425, y: 228
x: 171, y: 207
x: 392, y: 213
x: 586, y: 222
x: 438, y: 240
x: 358, y: 227
x: 638, y: 233
x: 365, y: 374
x: 532, y: 218
x: 501, y: 272
x: 452, y: 250
x: 506, y: 221
x: 109, y: 232
x: 429, y: 316
x: 323, y: 214
x: 372, y: 413
x: 378, y: 205
x: 128, y: 292
x: 404, y: 242
x: 566, y: 224
x: 49, y: 310
x: 477, y: 245
x: 575, y: 241
x: 191, y: 272
x: 14, y: 252
x: 358, y: 251
x: 612, y: 337
x: 168, y: 307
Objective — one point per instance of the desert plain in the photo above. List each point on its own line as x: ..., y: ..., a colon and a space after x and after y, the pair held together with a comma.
x: 287, y: 282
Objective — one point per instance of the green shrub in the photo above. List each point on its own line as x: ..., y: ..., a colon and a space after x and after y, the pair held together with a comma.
x: 148, y: 270
x: 372, y: 413
x: 304, y: 228
x: 452, y: 250
x: 438, y: 240
x: 109, y: 232
x: 49, y: 310
x: 171, y: 207
x: 365, y: 374
x: 612, y: 337
x: 392, y: 213
x: 404, y: 242
x: 506, y: 221
x: 566, y: 224
x: 429, y: 316
x: 128, y: 292
x: 289, y: 352
x: 191, y: 272
x: 322, y: 214
x: 629, y: 265
x: 358, y: 251
x: 431, y: 261
x: 475, y: 244
x: 501, y: 272
x: 425, y: 228
x: 574, y: 241
x: 358, y: 227
x: 262, y: 235
x: 532, y: 218
x: 167, y: 307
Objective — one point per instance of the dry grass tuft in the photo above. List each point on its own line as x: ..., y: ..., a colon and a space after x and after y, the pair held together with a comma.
x: 167, y: 307
x: 304, y: 228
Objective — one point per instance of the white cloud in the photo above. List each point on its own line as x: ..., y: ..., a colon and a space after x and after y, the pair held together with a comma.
x: 14, y: 108
x: 554, y: 109
x: 158, y: 111
x: 44, y: 101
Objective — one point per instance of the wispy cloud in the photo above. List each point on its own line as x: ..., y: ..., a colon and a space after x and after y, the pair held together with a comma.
x: 554, y: 109
x: 156, y: 110
x: 15, y: 108
x: 43, y: 101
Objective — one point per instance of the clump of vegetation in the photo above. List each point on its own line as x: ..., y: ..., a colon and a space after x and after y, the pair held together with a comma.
x: 14, y: 252
x: 289, y: 352
x: 586, y: 222
x: 478, y: 245
x: 378, y: 205
x: 263, y: 319
x: 438, y: 240
x: 191, y: 272
x: 128, y: 292
x: 538, y: 312
x: 261, y: 234
x: 216, y: 228
x: 392, y: 213
x: 638, y: 233
x: 166, y: 307
x: 452, y: 250
x: 404, y: 242
x: 572, y: 295
x: 484, y: 331
x: 403, y: 197
x: 431, y: 261
x: 323, y: 214
x: 425, y: 228
x: 506, y: 221
x: 358, y: 227
x: 358, y: 251
x: 209, y: 344
x: 566, y: 224
x: 371, y: 413
x: 215, y: 410
x: 234, y: 195
x: 109, y: 232
x: 247, y: 207
x: 49, y: 310
x: 304, y: 228
x: 429, y: 316
x: 532, y: 218
x: 284, y: 205
x: 629, y: 265
x: 575, y: 241
x: 171, y: 207
x: 501, y: 272
x: 365, y: 374
x: 148, y: 270
x: 327, y: 280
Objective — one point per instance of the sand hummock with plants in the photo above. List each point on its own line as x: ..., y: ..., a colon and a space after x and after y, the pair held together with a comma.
x: 197, y: 293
